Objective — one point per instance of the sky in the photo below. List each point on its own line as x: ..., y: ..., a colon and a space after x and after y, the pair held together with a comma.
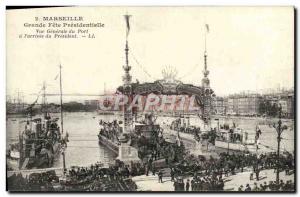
x: 249, y: 48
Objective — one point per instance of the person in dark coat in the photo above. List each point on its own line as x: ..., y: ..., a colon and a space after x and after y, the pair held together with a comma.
x: 193, y: 185
x: 257, y: 174
x: 248, y: 188
x: 221, y: 185
x: 153, y: 170
x: 175, y: 186
x: 172, y: 174
x: 241, y: 188
x: 187, y: 185
x: 160, y: 176
x: 181, y: 185
x: 251, y: 176
x: 147, y: 170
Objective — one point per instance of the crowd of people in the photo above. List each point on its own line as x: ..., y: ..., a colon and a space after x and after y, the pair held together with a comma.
x: 201, y: 174
x: 230, y: 164
x: 272, y: 186
x: 34, y: 182
x: 97, y: 178
x: 199, y: 183
x: 208, y: 174
x: 110, y: 130
x: 93, y: 178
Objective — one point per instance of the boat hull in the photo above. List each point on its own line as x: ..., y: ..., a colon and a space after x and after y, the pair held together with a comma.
x: 235, y: 146
x: 42, y: 161
x: 109, y: 144
x: 230, y: 146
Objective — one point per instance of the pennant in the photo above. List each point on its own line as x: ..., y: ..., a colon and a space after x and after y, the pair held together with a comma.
x: 207, y: 28
x: 127, y: 24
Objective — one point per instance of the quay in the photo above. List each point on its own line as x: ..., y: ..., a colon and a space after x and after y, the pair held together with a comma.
x: 58, y: 171
x: 231, y: 183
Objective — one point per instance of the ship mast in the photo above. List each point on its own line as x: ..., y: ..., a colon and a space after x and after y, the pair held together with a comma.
x: 44, y: 100
x: 61, y: 119
x: 61, y: 110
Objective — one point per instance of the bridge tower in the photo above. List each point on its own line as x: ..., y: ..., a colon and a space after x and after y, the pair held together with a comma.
x: 127, y: 153
x: 207, y: 94
x: 127, y: 84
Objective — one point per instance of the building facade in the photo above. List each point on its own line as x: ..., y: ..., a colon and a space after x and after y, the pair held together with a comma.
x: 219, y: 105
x: 243, y: 104
x: 250, y: 104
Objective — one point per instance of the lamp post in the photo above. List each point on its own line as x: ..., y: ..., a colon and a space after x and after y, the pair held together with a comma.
x: 279, y: 129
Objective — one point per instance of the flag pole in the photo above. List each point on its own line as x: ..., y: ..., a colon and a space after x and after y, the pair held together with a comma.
x: 205, y: 40
x: 205, y: 45
x: 61, y: 109
x: 127, y: 17
x: 62, y: 120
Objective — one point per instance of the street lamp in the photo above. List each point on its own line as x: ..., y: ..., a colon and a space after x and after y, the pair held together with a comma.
x: 279, y: 129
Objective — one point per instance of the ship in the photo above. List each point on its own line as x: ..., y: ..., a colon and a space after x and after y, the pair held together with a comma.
x: 227, y: 138
x: 109, y: 134
x: 42, y: 140
x: 40, y: 143
x: 144, y: 135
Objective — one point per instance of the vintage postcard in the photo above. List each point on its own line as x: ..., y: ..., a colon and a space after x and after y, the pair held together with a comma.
x: 150, y: 99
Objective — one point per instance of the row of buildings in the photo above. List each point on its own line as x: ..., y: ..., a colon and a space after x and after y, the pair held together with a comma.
x: 246, y: 104
x: 243, y: 104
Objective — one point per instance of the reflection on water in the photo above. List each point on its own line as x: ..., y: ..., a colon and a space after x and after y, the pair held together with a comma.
x: 83, y: 148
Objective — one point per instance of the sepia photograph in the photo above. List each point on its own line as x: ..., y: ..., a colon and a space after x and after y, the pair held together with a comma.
x: 175, y: 99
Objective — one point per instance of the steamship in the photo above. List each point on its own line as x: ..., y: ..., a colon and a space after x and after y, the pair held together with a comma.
x: 39, y: 144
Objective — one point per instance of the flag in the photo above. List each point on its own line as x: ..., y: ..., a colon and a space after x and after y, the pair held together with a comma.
x: 207, y: 28
x: 127, y: 23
